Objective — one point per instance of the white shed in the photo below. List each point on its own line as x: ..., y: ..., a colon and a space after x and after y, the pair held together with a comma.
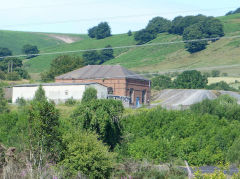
x: 57, y: 92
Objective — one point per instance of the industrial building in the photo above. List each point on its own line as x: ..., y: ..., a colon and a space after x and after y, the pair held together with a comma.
x: 122, y: 83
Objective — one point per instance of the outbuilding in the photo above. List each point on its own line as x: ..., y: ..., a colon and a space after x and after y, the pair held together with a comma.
x: 57, y: 92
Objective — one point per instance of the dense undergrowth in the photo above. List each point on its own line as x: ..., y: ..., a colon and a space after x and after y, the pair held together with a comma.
x: 206, y: 134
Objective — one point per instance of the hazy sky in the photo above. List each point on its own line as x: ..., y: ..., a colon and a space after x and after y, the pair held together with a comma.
x: 76, y: 16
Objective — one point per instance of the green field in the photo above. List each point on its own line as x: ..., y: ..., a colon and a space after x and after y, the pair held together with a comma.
x: 15, y: 40
x: 161, y: 58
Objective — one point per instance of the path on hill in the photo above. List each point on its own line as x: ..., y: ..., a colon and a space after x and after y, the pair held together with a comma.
x: 65, y: 38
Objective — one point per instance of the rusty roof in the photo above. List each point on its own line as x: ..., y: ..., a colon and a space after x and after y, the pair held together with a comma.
x: 100, y: 72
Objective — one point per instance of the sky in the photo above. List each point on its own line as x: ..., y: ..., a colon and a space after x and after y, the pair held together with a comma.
x: 77, y: 16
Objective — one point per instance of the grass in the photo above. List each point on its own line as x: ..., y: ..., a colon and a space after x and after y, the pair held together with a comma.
x: 65, y: 111
x: 161, y: 58
x: 228, y: 80
x: 15, y: 40
x: 42, y: 63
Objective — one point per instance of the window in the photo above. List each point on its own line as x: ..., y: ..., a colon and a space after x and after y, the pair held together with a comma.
x: 110, y: 90
x: 66, y: 92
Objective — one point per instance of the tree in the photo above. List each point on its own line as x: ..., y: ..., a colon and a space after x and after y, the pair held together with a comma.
x: 89, y: 94
x: 215, y: 73
x: 91, y: 57
x: 40, y: 94
x: 191, y: 33
x: 44, y: 136
x: 179, y: 24
x: 233, y: 12
x: 62, y: 64
x: 3, y: 102
x: 103, y: 30
x: 86, y: 155
x: 129, y: 33
x: 143, y: 36
x: 101, y: 116
x: 5, y: 52
x: 30, y: 49
x: 106, y: 54
x: 10, y: 64
x: 158, y: 25
x: 162, y: 82
x: 92, y: 32
x: 212, y: 27
x: 191, y: 80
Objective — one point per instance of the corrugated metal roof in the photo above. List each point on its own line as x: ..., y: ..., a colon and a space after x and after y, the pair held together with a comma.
x: 54, y: 84
x: 101, y: 72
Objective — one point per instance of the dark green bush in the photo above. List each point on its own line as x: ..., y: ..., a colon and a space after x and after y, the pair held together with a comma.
x: 162, y: 82
x: 87, y: 155
x: 190, y: 80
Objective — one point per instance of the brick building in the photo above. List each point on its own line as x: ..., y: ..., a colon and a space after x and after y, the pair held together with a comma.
x: 120, y: 81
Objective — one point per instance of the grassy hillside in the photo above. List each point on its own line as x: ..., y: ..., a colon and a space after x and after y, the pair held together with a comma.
x: 15, y: 40
x: 42, y: 63
x: 160, y: 58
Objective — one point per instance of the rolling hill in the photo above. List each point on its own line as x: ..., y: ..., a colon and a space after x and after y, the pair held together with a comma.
x: 15, y: 40
x: 160, y: 58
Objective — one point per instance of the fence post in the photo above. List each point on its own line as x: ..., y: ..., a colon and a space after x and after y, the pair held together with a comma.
x: 190, y: 175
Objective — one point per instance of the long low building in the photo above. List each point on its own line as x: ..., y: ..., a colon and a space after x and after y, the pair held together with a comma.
x: 57, y: 92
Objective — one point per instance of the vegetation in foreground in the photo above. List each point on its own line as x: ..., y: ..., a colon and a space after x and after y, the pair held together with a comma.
x: 100, y: 140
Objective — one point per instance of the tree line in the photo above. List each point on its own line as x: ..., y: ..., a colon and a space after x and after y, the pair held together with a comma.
x: 11, y: 68
x: 189, y: 27
x: 192, y: 79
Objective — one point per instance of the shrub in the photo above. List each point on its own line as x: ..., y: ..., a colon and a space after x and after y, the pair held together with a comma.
x: 2, y: 75
x: 102, y: 117
x: 89, y: 94
x: 70, y: 102
x: 162, y: 135
x: 40, y: 94
x: 222, y: 85
x: 233, y: 154
x: 3, y: 102
x: 85, y: 154
x: 13, y: 76
x: 223, y: 107
x: 21, y: 102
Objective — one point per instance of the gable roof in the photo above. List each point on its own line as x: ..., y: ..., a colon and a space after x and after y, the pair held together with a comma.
x: 101, y: 72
